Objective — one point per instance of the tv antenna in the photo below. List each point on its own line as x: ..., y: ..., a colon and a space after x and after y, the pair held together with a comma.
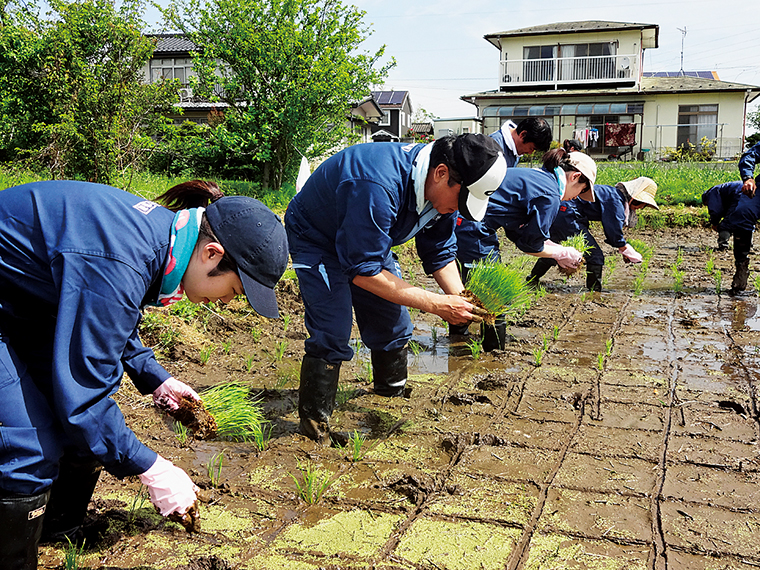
x: 683, y: 36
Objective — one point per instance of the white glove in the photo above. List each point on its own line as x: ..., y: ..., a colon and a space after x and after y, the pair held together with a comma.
x: 169, y: 487
x: 630, y: 254
x: 568, y: 257
x: 169, y: 394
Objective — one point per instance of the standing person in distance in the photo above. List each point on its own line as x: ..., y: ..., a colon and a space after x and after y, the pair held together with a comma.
x: 747, y: 170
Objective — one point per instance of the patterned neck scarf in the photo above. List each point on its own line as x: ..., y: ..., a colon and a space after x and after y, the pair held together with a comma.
x: 184, y: 236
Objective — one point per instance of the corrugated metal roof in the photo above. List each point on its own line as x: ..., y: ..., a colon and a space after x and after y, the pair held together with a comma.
x: 565, y: 27
x: 390, y: 98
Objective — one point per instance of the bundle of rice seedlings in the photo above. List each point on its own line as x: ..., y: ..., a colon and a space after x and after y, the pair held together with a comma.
x: 578, y: 241
x: 238, y: 418
x: 496, y: 289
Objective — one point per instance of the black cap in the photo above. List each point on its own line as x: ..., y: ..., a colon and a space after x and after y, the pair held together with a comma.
x: 254, y: 237
x: 482, y: 166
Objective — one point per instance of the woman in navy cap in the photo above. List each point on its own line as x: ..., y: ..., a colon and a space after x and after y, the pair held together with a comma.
x: 78, y: 262
x: 341, y: 227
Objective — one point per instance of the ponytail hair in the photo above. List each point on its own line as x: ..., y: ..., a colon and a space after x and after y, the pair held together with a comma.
x: 192, y: 194
x: 558, y: 157
x: 198, y: 194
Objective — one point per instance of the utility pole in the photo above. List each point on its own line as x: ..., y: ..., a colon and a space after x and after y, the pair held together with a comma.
x: 683, y: 36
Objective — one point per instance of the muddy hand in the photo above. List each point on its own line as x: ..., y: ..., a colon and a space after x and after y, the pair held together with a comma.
x: 191, y: 519
x: 478, y: 314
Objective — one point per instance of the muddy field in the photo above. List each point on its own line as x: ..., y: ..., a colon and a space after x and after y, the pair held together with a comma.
x: 618, y: 430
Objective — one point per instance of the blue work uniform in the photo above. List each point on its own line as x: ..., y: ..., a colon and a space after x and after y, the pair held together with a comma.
x: 475, y: 241
x: 525, y: 205
x: 575, y: 215
x: 748, y: 161
x: 352, y: 210
x: 78, y: 261
x: 733, y: 211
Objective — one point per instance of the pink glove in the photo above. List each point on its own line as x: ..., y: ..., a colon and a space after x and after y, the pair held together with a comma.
x: 170, y: 488
x: 568, y: 257
x: 169, y: 394
x: 630, y: 254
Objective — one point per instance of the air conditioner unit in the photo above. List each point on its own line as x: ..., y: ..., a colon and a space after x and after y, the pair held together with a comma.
x: 185, y: 93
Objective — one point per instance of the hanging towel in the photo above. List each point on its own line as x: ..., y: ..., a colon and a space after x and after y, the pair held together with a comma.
x: 303, y: 174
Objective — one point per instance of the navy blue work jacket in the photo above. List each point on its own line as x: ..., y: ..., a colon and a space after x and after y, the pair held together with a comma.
x: 748, y: 161
x: 525, y: 205
x: 729, y: 209
x: 609, y: 208
x: 87, y: 257
x: 361, y: 202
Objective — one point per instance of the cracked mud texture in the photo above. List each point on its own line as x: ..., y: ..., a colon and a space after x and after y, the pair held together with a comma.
x: 634, y: 443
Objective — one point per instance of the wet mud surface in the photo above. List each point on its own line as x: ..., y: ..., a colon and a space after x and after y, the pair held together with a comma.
x: 617, y: 430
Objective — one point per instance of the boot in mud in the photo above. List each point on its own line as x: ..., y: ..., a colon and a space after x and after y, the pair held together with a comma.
x: 494, y: 336
x: 723, y: 237
x: 594, y: 277
x: 22, y: 517
x: 542, y: 265
x: 389, y: 372
x: 316, y: 397
x: 739, y: 283
x: 460, y: 330
x: 69, y: 498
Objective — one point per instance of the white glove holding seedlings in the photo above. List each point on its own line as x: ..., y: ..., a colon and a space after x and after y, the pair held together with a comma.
x: 169, y: 394
x: 567, y: 257
x: 171, y: 490
x: 630, y: 254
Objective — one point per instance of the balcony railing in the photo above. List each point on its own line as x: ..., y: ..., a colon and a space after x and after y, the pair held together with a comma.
x: 567, y: 71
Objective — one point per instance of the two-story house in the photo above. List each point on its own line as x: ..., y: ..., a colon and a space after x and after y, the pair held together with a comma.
x: 171, y: 60
x: 587, y: 79
x: 397, y: 116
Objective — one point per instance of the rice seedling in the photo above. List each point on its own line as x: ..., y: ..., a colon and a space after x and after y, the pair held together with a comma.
x: 312, y: 484
x: 237, y: 417
x: 137, y: 503
x: 280, y: 349
x: 600, y: 361
x: 180, y: 432
x: 283, y: 379
x: 365, y: 372
x: 205, y: 353
x: 255, y: 334
x: 756, y: 282
x: 608, y: 344
x: 643, y: 248
x: 496, y: 289
x: 356, y: 448
x: 476, y: 347
x: 717, y: 279
x: 578, y: 241
x: 250, y: 360
x: 285, y: 323
x: 434, y: 334
x: 415, y: 347
x: 262, y: 437
x: 610, y: 264
x: 545, y: 343
x: 226, y: 347
x: 344, y: 394
x: 214, y: 468
x: 710, y: 265
x: 538, y: 356
x: 555, y: 333
x: 72, y: 554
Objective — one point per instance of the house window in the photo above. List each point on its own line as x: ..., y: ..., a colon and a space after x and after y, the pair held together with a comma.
x: 385, y: 120
x: 696, y: 122
x: 570, y: 62
x: 179, y: 68
x: 540, y: 66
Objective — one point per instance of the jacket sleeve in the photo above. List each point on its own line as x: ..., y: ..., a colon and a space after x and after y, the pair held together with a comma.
x: 98, y: 312
x: 529, y: 237
x: 140, y: 364
x: 613, y: 217
x: 716, y: 202
x: 748, y: 161
x: 437, y: 245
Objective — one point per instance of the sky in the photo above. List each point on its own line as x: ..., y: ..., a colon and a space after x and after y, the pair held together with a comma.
x: 441, y: 55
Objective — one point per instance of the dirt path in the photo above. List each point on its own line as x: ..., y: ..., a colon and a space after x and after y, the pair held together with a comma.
x: 633, y: 444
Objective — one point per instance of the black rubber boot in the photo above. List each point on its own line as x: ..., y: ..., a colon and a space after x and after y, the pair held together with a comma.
x: 389, y: 372
x: 494, y: 336
x: 594, y: 277
x: 316, y: 397
x: 740, y: 277
x: 22, y: 517
x: 542, y: 265
x: 461, y: 330
x: 69, y: 497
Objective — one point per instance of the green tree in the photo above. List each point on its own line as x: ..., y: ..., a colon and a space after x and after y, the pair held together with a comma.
x: 753, y: 118
x: 289, y: 71
x: 74, y: 100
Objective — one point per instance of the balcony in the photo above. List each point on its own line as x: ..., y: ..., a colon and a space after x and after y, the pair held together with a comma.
x: 569, y: 72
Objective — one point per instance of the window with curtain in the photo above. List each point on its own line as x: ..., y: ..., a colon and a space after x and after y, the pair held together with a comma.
x: 696, y: 122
